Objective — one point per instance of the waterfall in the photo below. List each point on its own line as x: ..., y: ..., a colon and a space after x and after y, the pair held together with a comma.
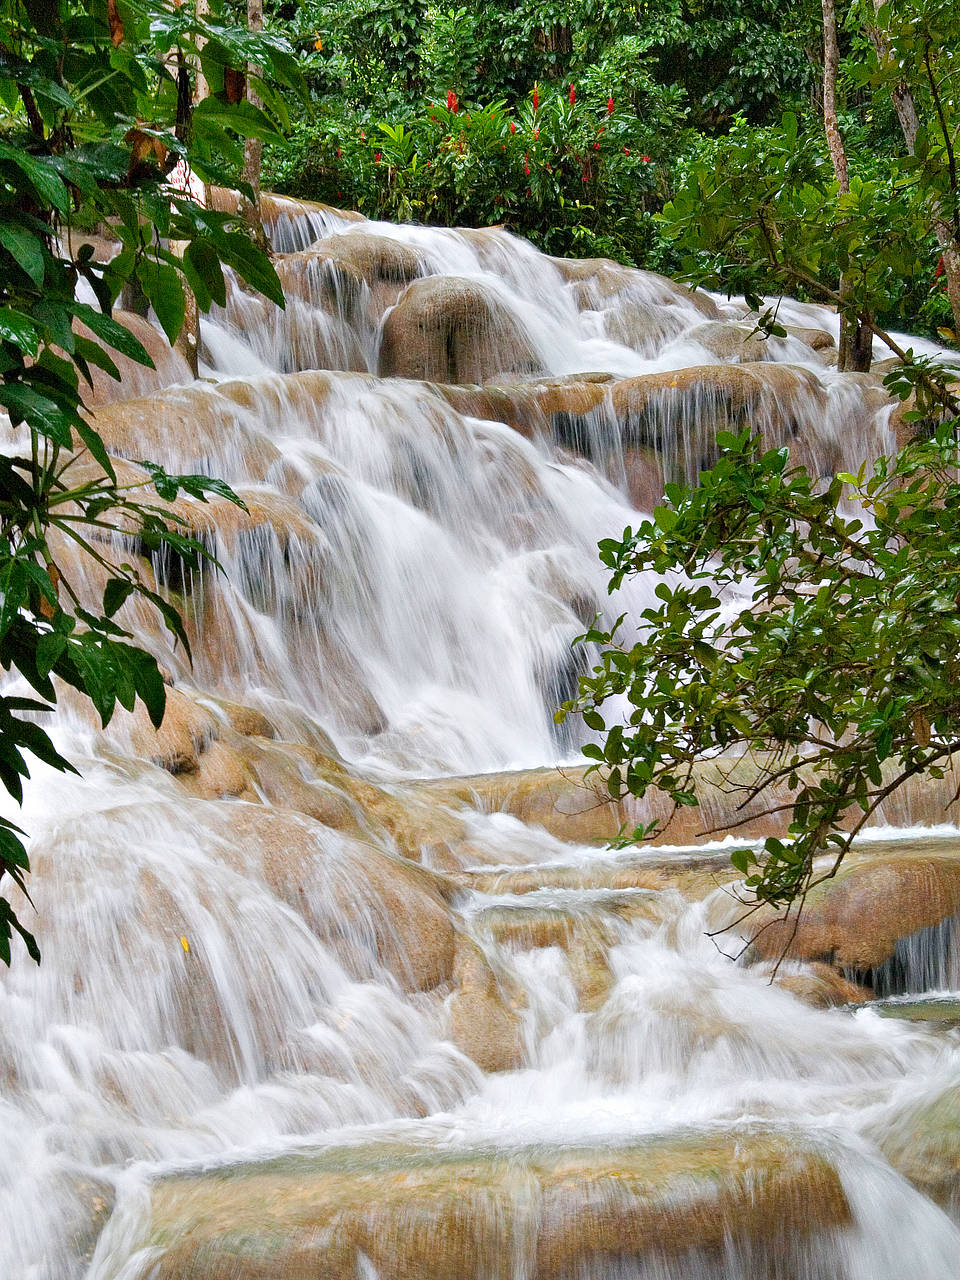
x: 341, y: 977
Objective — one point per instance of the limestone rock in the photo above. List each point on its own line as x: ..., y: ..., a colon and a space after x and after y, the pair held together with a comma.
x: 452, y: 329
x: 737, y: 343
x: 822, y: 986
x: 185, y: 732
x: 482, y: 1023
x: 419, y: 1214
x: 855, y: 920
x: 368, y: 906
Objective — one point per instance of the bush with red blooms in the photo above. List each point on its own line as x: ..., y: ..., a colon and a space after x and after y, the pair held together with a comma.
x: 575, y: 171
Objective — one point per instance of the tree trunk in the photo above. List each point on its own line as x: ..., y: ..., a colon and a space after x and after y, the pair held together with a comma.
x: 188, y: 340
x: 831, y: 124
x: 253, y: 147
x: 855, y: 349
x: 906, y: 109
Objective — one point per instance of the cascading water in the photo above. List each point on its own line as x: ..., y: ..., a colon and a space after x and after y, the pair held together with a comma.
x: 315, y: 1002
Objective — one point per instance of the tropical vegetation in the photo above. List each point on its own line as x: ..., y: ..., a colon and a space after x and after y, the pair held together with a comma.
x: 99, y: 103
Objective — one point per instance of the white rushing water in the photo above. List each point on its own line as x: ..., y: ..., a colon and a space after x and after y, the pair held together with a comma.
x: 216, y: 989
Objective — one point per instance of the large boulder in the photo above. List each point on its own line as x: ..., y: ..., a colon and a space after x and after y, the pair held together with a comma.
x: 856, y: 920
x: 483, y: 1018
x: 417, y: 1213
x: 370, y: 907
x: 451, y: 329
x: 386, y: 266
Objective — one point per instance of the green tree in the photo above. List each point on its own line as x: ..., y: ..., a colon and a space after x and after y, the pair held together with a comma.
x: 96, y: 102
x: 812, y: 626
x: 765, y: 211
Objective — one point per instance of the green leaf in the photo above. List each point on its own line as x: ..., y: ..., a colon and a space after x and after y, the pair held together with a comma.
x: 20, y: 330
x: 115, y: 593
x: 42, y: 176
x: 113, y: 333
x: 161, y: 283
x: 25, y: 248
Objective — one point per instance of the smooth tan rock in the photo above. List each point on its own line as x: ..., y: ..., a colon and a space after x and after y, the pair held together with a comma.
x: 483, y: 1019
x: 247, y: 721
x: 822, y: 986
x: 856, y: 920
x: 358, y: 899
x: 597, y: 281
x: 642, y: 326
x: 222, y: 772
x: 816, y: 339
x: 185, y: 732
x: 739, y: 343
x: 453, y: 329
x: 419, y: 1215
x: 922, y: 1141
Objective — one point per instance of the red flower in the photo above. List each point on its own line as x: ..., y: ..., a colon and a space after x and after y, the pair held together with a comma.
x: 596, y: 146
x: 610, y: 105
x: 451, y: 100
x: 503, y: 146
x: 363, y: 136
x: 939, y: 271
x: 645, y: 159
x: 536, y: 96
x: 338, y: 153
x: 573, y: 95
x: 536, y: 135
x: 513, y: 127
x: 626, y: 151
x: 526, y: 165
x: 376, y: 157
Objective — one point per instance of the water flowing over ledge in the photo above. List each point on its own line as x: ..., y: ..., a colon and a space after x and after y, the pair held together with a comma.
x: 340, y: 978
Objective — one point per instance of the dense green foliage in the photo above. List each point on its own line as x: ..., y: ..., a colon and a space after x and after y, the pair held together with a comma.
x: 761, y: 211
x: 812, y: 625
x: 572, y: 176
x: 699, y: 88
x: 96, y: 109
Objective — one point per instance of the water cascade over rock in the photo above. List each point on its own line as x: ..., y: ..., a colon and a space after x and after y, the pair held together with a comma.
x: 341, y: 977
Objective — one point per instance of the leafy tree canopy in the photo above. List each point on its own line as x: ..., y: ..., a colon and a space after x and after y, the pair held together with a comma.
x: 96, y: 107
x: 812, y: 626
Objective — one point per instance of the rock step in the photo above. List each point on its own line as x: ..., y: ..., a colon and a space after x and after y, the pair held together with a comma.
x: 543, y: 1212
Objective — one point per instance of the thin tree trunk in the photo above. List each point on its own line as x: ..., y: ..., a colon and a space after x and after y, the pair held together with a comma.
x: 831, y: 125
x: 253, y: 147
x: 855, y: 347
x: 906, y: 109
x: 188, y: 340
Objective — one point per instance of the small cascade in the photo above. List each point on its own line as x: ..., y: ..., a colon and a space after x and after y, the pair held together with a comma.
x: 341, y: 975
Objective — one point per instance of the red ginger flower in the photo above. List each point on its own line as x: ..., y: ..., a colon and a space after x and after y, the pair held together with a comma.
x: 526, y: 165
x: 573, y: 94
x: 451, y: 101
x: 536, y: 96
x: 610, y: 105
x: 513, y: 127
x: 645, y: 159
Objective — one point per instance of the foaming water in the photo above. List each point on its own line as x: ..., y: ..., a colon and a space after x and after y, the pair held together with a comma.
x: 299, y: 1014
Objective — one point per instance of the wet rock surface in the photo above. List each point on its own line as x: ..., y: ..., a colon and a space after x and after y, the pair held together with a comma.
x: 421, y: 1214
